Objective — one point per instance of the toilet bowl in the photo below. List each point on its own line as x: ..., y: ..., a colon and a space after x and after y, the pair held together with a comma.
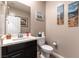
x: 46, y: 49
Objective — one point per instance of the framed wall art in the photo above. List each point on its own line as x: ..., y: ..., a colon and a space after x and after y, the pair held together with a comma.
x: 24, y: 21
x: 60, y: 14
x: 39, y: 16
x: 73, y: 14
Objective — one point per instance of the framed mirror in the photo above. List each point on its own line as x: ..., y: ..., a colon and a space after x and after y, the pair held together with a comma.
x: 17, y: 18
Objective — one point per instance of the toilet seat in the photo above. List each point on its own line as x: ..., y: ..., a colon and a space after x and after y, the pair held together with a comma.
x: 47, y: 48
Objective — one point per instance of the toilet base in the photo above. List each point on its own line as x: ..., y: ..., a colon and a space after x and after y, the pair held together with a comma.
x: 44, y: 55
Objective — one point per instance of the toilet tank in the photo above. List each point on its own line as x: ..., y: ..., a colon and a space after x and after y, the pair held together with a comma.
x: 41, y: 41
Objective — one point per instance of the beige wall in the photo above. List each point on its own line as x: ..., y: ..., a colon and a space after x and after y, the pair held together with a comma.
x: 67, y: 38
x: 2, y: 19
x: 37, y: 26
x: 1, y: 23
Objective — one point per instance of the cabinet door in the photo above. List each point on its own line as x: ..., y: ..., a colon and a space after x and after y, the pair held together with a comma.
x: 31, y: 49
x: 18, y: 54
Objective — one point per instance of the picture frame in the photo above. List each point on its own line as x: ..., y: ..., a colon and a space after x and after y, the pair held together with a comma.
x: 60, y: 14
x: 73, y: 10
x: 24, y: 21
x: 39, y: 16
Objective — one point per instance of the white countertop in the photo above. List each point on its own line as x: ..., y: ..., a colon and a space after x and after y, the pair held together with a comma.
x: 14, y: 40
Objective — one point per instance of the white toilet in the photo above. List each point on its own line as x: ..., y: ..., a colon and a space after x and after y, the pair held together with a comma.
x: 46, y: 49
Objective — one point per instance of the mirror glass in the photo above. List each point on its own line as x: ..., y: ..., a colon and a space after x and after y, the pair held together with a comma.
x: 17, y: 18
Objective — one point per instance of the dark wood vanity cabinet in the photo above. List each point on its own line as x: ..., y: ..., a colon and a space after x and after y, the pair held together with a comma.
x: 21, y: 50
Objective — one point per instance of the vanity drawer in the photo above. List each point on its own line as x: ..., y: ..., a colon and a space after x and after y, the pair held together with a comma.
x: 17, y: 54
x: 13, y: 48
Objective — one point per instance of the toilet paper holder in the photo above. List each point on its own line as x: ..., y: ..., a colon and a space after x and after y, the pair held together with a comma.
x: 55, y: 44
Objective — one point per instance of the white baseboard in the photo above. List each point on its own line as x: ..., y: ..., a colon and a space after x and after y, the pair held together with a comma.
x: 54, y: 54
x: 57, y: 55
